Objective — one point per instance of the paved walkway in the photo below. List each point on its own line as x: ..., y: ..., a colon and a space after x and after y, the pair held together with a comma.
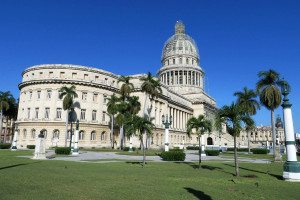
x: 104, y: 157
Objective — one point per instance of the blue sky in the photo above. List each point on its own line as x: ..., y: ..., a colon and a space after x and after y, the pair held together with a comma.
x: 236, y: 39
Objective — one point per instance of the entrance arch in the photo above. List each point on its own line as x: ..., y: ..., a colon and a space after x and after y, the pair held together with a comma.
x: 209, y: 141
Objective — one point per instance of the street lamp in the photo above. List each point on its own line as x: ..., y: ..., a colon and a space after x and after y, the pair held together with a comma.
x: 167, y: 122
x: 75, y: 150
x: 291, y: 168
x: 15, y: 139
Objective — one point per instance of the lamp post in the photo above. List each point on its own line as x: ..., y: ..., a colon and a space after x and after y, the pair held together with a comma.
x: 75, y: 150
x: 167, y: 122
x: 15, y: 139
x: 291, y: 168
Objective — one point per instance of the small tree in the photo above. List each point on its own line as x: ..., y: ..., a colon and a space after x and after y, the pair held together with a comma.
x: 67, y: 94
x: 112, y: 109
x: 4, y: 106
x: 199, y: 126
x: 234, y: 118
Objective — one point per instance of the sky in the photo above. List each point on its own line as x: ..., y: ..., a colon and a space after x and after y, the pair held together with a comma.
x: 236, y: 40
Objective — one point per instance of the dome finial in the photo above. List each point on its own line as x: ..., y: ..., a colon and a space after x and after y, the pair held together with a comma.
x: 179, y: 27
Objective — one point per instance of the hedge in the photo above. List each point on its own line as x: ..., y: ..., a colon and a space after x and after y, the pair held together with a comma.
x: 173, y: 155
x: 212, y: 152
x: 192, y: 148
x: 238, y: 149
x: 127, y: 148
x: 63, y: 150
x: 5, y: 145
x: 30, y: 146
x: 260, y: 151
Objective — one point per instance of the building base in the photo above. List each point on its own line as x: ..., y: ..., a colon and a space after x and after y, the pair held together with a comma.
x: 291, y: 176
x: 203, y: 155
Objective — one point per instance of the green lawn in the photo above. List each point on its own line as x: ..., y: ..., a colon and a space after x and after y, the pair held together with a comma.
x: 22, y: 178
x: 149, y: 152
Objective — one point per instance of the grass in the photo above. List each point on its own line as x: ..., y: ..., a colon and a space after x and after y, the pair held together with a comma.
x: 149, y: 152
x: 22, y: 178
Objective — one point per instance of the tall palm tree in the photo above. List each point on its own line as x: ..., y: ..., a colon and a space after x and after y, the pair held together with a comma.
x: 4, y: 105
x: 112, y: 109
x: 67, y: 94
x: 126, y: 87
x: 10, y: 113
x: 199, y: 126
x: 133, y: 105
x: 152, y: 88
x: 268, y: 88
x: 246, y: 100
x: 136, y: 125
x: 234, y: 118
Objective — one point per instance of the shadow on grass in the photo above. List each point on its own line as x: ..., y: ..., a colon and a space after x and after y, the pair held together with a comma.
x: 211, y: 168
x: 252, y: 170
x: 199, y: 194
x: 136, y: 162
x: 17, y: 165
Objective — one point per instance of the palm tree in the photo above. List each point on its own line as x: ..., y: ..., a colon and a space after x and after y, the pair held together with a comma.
x: 152, y: 89
x: 234, y: 118
x: 67, y: 94
x: 4, y: 105
x: 246, y: 100
x: 112, y: 109
x: 268, y: 88
x: 10, y: 113
x: 127, y: 87
x: 199, y: 126
x: 136, y: 125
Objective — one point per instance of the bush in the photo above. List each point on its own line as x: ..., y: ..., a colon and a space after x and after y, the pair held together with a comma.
x: 63, y: 150
x: 192, y: 148
x: 30, y: 146
x: 212, y: 152
x: 173, y: 155
x: 127, y: 148
x: 260, y: 151
x: 238, y: 149
x: 5, y: 146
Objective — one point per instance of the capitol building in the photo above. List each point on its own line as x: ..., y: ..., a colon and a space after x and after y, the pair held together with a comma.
x: 183, y: 95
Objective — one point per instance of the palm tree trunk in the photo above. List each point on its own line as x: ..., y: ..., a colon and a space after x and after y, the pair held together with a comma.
x: 237, y: 173
x: 5, y: 132
x: 144, y: 151
x: 200, y: 152
x: 122, y: 136
x: 273, y: 133
x: 112, y: 132
x: 248, y: 135
x: 67, y: 123
x: 1, y: 118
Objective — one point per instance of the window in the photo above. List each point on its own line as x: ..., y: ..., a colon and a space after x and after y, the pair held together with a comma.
x: 85, y: 77
x: 47, y: 112
x: 28, y: 113
x: 74, y: 75
x: 32, y: 75
x: 93, y: 135
x: 95, y: 97
x: 94, y: 115
x: 104, y: 99
x: 82, y: 114
x: 30, y: 95
x: 56, y: 134
x: 24, y: 134
x: 180, y: 60
x: 50, y: 74
x: 59, y: 97
x: 84, y: 96
x: 58, y: 113
x: 96, y: 78
x: 102, y: 135
x: 49, y: 93
x: 38, y: 94
x: 103, y: 116
x: 62, y: 74
x: 33, y: 134
x: 105, y: 80
x: 41, y: 74
x: 187, y: 61
x: 173, y: 61
x: 81, y: 135
x: 36, y: 113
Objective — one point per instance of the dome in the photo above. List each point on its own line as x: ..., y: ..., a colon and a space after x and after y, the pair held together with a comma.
x: 180, y: 44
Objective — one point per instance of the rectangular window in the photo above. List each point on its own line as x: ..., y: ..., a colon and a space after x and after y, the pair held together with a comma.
x: 36, y: 113
x: 94, y: 115
x: 62, y: 74
x: 28, y: 113
x: 50, y: 74
x: 85, y: 77
x: 74, y: 75
x: 58, y: 113
x: 30, y: 95
x: 84, y: 96
x: 95, y: 97
x: 49, y: 93
x: 82, y: 114
x: 103, y: 116
x: 38, y: 94
x: 104, y: 99
x: 47, y: 113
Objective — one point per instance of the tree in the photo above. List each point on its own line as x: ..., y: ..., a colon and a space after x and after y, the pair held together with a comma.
x: 10, y: 114
x: 199, y: 126
x: 268, y: 88
x: 246, y: 100
x: 152, y: 89
x: 136, y: 125
x: 112, y: 109
x: 127, y: 87
x: 234, y: 117
x: 67, y: 94
x: 4, y: 105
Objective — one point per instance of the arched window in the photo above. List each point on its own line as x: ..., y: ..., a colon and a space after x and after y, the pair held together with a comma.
x: 209, y: 141
x: 93, y: 135
x: 173, y: 60
x: 56, y: 134
x: 81, y: 135
x: 180, y: 60
x: 187, y: 60
x: 24, y: 133
x: 44, y: 132
x: 103, y: 135
x: 33, y: 134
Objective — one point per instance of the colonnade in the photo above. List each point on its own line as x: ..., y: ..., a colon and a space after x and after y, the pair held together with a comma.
x: 180, y: 118
x: 182, y: 77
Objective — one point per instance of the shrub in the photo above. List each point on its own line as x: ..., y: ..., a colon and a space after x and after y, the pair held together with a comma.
x: 127, y: 148
x: 260, y: 151
x: 212, y: 152
x: 238, y: 149
x: 192, y: 148
x: 30, y: 146
x: 173, y: 155
x: 63, y: 150
x: 5, y: 146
